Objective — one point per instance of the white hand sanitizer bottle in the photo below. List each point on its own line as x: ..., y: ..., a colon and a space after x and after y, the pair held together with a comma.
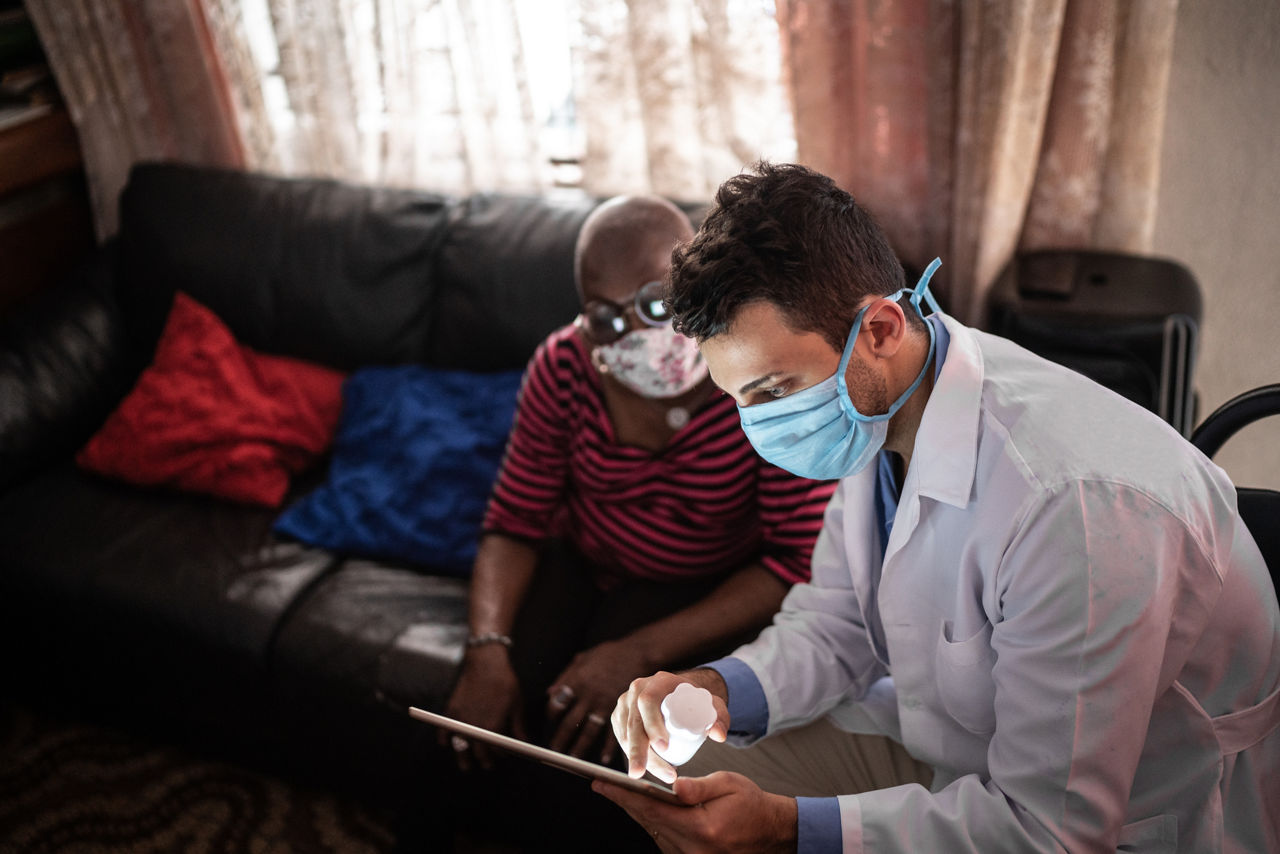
x: 689, y: 714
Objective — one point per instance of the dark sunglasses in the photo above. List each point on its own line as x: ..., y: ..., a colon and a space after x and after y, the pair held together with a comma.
x: 604, y: 321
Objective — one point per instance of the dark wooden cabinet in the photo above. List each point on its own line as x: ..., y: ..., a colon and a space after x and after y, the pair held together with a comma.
x: 46, y: 222
x: 46, y: 226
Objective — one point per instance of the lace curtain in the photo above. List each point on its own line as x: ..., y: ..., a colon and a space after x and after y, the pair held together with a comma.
x: 141, y: 82
x: 971, y: 129
x: 677, y: 95
x: 668, y: 96
x: 975, y: 129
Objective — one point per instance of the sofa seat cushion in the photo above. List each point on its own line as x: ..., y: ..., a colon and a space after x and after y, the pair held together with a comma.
x: 377, y: 631
x: 83, y: 554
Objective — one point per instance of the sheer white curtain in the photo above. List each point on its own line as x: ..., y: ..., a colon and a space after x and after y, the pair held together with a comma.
x: 674, y: 96
x: 669, y: 96
x: 142, y: 81
x: 405, y: 92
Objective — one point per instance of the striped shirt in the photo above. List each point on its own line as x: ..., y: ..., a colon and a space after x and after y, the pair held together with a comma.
x: 701, y: 506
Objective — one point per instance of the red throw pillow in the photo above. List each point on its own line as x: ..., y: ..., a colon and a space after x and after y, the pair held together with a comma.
x: 211, y: 415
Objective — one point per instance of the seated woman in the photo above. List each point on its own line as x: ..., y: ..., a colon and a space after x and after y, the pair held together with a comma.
x: 632, y: 526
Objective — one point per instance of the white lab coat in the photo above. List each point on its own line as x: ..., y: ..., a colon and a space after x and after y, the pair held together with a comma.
x: 1079, y: 634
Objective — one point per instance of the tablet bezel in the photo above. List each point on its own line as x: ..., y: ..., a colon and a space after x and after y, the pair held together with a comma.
x: 572, y: 764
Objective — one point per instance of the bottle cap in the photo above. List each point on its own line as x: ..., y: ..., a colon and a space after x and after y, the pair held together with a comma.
x: 688, y: 713
x: 689, y: 708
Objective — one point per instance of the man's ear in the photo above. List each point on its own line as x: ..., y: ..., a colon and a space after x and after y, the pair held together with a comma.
x: 887, y: 327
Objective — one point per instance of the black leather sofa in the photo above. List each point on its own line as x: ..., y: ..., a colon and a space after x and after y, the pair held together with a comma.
x: 168, y: 607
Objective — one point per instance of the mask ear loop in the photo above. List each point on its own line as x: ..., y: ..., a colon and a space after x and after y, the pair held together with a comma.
x: 922, y: 291
x: 843, y: 367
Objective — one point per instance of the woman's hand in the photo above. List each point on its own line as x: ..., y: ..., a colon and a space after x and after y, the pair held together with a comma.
x: 487, y: 695
x: 582, y: 698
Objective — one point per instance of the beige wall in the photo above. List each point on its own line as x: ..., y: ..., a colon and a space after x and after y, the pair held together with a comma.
x: 1220, y: 206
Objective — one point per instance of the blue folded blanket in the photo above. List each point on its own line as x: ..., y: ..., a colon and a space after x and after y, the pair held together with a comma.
x: 414, y: 459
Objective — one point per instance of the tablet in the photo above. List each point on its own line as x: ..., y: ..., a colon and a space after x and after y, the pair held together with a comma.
x: 563, y: 761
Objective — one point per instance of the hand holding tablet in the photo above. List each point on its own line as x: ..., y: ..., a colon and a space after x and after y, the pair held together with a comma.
x: 572, y: 764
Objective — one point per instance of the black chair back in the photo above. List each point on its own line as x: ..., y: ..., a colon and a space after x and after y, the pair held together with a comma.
x: 1259, y: 508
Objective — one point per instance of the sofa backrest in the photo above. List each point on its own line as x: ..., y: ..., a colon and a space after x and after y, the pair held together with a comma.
x: 348, y: 275
x: 504, y: 279
x: 343, y: 275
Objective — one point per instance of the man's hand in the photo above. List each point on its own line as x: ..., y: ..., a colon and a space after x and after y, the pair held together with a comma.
x: 723, y: 812
x: 637, y: 718
x: 580, y: 699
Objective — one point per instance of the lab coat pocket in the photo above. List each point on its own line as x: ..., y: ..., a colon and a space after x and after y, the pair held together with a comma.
x: 963, y: 670
x: 1154, y: 835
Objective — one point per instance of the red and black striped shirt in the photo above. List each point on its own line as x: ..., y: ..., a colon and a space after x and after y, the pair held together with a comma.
x: 703, y: 505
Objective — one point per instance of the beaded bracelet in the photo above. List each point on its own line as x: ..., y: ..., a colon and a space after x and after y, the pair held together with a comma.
x: 489, y: 637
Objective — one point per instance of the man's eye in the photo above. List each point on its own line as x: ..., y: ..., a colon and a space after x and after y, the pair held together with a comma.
x: 776, y: 391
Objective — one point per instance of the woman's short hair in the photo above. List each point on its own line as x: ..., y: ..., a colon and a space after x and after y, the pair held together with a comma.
x: 784, y: 234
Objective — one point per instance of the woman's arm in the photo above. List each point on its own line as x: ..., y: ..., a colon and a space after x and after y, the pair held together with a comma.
x: 526, y: 494
x: 487, y: 693
x: 500, y: 578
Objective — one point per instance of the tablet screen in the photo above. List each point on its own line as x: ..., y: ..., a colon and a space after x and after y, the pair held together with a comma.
x: 573, y: 764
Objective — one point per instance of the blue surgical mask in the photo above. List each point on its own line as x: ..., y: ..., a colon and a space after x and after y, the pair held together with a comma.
x: 818, y: 433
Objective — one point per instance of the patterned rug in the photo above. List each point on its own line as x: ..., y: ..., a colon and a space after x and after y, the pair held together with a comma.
x: 67, y: 787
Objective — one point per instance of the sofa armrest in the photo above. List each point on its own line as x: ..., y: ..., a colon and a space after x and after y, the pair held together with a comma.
x: 64, y: 364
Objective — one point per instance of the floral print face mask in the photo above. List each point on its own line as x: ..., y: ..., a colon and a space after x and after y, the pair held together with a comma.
x: 657, y: 363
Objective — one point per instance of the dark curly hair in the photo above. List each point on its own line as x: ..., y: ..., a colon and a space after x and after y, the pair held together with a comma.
x: 784, y: 234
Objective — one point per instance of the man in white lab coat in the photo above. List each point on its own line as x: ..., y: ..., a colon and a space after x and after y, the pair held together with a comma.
x: 1034, y: 586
